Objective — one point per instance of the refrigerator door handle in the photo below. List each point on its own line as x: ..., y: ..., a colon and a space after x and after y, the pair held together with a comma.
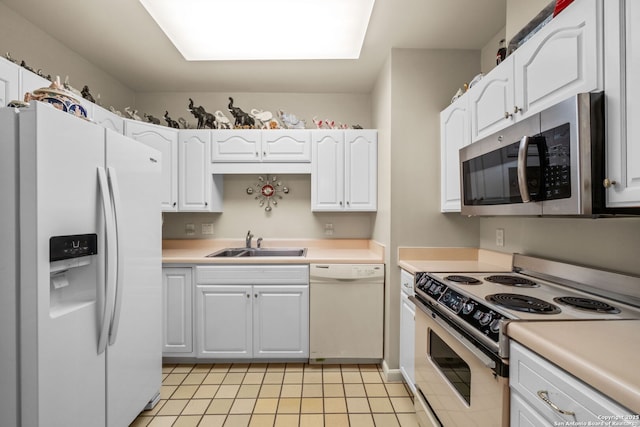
x: 119, y: 288
x: 111, y: 266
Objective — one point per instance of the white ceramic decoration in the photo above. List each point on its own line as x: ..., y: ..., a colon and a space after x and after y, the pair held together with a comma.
x: 60, y: 98
x: 132, y: 114
x: 265, y: 118
x: 222, y: 121
x: 290, y: 121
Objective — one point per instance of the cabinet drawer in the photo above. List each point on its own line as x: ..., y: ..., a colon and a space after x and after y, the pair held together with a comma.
x: 535, y: 379
x: 252, y: 275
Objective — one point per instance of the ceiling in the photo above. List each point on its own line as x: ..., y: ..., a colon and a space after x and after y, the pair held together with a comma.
x: 119, y: 37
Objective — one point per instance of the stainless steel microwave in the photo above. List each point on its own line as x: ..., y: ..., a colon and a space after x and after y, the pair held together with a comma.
x: 551, y: 163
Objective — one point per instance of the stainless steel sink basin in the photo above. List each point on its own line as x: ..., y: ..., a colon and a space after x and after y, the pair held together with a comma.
x: 258, y: 252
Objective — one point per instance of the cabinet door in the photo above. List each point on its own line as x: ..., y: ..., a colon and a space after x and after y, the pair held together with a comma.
x: 562, y: 59
x: 176, y: 301
x: 286, y: 146
x: 194, y: 185
x: 327, y: 171
x: 31, y: 81
x: 281, y: 322
x: 361, y: 170
x: 454, y: 134
x: 491, y: 101
x: 236, y: 146
x: 9, y: 82
x: 622, y: 92
x: 223, y: 321
x: 107, y: 119
x: 164, y: 140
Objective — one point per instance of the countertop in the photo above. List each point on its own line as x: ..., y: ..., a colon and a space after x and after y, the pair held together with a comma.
x: 454, y: 260
x: 334, y: 251
x: 603, y: 354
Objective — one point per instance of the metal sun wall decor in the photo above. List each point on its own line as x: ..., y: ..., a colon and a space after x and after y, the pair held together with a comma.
x: 268, y: 191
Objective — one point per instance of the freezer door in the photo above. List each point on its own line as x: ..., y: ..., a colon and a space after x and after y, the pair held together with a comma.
x: 61, y: 373
x: 134, y: 354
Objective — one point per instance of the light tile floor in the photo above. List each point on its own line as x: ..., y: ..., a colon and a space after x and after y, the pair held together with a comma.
x: 279, y: 395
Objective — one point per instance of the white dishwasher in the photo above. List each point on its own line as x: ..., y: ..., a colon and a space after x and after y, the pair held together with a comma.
x: 346, y: 308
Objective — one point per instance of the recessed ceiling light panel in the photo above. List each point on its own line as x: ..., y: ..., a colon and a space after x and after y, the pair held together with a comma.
x: 205, y: 30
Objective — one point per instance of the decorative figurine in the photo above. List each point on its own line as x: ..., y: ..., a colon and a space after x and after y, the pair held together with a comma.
x: 319, y: 123
x: 149, y: 118
x: 58, y: 97
x: 265, y: 118
x: 86, y: 94
x: 114, y: 111
x: 290, y: 121
x: 502, y: 52
x: 242, y: 119
x: 170, y: 122
x: 132, y: 114
x: 9, y: 58
x: 205, y: 120
x: 222, y: 121
x: 183, y: 123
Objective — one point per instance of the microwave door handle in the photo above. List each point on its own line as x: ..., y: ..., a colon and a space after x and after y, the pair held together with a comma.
x: 522, y: 169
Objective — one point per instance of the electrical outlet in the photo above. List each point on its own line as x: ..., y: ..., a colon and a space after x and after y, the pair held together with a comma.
x: 189, y: 229
x: 500, y: 237
x: 207, y: 229
x: 328, y: 229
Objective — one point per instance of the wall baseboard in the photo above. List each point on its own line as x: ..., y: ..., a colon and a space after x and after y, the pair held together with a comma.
x: 391, y: 374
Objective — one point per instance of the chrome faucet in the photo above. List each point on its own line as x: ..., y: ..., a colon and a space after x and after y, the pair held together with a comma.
x: 248, y: 239
x: 259, y: 242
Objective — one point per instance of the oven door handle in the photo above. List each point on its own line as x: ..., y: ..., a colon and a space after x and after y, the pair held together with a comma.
x: 486, y: 360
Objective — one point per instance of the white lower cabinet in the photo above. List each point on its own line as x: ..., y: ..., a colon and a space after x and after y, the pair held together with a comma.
x: 177, y: 332
x: 542, y: 394
x: 239, y: 319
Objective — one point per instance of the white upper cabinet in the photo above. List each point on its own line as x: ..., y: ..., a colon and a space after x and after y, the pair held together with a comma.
x: 198, y: 189
x: 492, y: 100
x: 31, y: 81
x: 9, y: 82
x: 454, y: 134
x: 344, y: 170
x: 107, y: 119
x: 236, y: 146
x: 286, y: 146
x: 261, y: 151
x: 164, y: 140
x: 622, y: 68
x: 562, y: 59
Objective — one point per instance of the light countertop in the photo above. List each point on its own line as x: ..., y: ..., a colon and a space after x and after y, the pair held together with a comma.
x: 603, y: 353
x: 454, y: 260
x: 335, y: 251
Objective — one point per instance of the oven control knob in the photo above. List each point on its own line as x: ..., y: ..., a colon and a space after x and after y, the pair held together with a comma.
x: 446, y: 297
x: 495, y: 325
x: 468, y: 307
x: 486, y: 318
x: 478, y: 314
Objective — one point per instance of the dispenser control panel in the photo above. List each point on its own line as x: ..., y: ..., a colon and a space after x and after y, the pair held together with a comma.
x: 75, y: 246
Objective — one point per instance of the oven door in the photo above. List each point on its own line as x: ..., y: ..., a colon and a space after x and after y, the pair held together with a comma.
x: 457, y: 379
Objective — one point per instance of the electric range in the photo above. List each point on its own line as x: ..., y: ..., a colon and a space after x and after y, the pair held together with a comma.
x: 481, y: 304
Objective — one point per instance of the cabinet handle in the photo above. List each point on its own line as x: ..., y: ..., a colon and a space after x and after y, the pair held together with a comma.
x: 257, y: 154
x: 348, y: 204
x: 517, y: 109
x: 248, y: 295
x: 607, y: 183
x: 341, y: 203
x: 507, y: 115
x: 174, y: 204
x: 206, y: 203
x: 543, y: 394
x: 255, y: 295
x: 264, y: 153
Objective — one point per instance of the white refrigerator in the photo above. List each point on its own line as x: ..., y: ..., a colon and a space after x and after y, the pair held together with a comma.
x: 80, y: 261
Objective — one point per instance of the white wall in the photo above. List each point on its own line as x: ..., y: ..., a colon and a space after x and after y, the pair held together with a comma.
x: 291, y: 219
x: 411, y: 91
x: 520, y: 12
x: 26, y: 42
x: 489, y: 51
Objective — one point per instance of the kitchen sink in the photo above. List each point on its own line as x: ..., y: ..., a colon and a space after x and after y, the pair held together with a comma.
x: 258, y: 252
